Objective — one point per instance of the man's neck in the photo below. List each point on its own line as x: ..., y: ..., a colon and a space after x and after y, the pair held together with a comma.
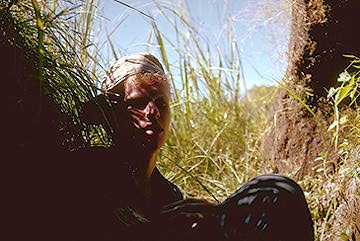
x: 145, y: 165
x: 141, y: 161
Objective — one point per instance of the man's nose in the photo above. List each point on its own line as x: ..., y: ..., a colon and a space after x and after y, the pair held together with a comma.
x: 152, y: 111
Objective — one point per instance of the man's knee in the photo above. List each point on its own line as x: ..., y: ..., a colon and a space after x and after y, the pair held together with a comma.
x: 266, y: 207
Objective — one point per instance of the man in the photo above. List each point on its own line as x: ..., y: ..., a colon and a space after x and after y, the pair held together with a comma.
x: 139, y: 198
x: 135, y: 101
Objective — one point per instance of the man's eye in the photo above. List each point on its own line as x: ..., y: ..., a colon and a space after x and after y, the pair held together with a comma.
x: 137, y: 103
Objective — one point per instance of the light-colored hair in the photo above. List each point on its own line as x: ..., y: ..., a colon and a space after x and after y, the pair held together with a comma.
x: 127, y: 66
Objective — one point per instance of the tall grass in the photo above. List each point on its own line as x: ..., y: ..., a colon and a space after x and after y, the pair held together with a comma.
x: 60, y: 34
x: 214, y: 131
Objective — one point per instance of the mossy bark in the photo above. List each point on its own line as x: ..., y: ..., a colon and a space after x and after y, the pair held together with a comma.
x: 322, y: 31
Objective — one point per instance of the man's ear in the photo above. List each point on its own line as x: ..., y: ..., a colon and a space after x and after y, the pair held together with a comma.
x: 108, y: 110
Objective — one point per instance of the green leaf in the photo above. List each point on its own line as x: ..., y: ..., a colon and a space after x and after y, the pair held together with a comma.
x: 342, y: 94
x: 332, y: 92
x: 350, y: 56
x: 343, y: 120
x: 353, y: 92
x: 344, y: 77
x: 333, y: 125
x: 344, y: 237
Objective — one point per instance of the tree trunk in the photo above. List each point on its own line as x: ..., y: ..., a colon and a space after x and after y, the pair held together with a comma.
x: 322, y: 31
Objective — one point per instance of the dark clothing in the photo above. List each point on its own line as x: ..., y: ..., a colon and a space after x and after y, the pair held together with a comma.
x: 267, y: 208
x: 107, y: 196
x: 79, y: 196
x: 91, y: 196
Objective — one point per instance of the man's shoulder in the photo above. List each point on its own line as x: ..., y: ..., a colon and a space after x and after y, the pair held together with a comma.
x: 165, y: 188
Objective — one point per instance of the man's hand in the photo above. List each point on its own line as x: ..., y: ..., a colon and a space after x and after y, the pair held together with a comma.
x: 188, y: 220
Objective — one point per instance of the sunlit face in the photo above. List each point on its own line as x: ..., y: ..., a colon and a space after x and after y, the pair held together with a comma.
x: 147, y: 100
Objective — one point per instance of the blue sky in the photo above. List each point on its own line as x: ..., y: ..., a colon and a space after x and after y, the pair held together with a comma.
x: 260, y: 28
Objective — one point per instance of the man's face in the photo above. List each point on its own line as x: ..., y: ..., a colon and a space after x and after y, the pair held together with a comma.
x: 147, y: 100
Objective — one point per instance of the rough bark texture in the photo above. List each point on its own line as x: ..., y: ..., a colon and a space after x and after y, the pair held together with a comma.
x: 321, y: 32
